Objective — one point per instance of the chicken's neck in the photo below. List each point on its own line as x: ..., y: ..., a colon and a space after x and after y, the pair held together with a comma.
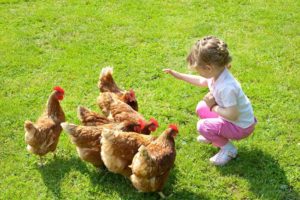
x: 165, y: 138
x: 54, y: 109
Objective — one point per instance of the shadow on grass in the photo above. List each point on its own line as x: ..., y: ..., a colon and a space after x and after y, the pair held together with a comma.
x: 267, y: 180
x: 54, y: 172
x: 105, y: 182
x: 123, y: 186
x: 172, y: 192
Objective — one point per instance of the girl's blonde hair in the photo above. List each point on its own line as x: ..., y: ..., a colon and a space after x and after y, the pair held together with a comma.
x: 209, y: 51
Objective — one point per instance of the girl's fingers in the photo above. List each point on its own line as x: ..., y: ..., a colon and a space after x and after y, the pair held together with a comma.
x: 166, y: 70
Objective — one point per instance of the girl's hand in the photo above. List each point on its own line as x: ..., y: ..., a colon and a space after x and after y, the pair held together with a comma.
x: 169, y: 71
x: 209, y: 100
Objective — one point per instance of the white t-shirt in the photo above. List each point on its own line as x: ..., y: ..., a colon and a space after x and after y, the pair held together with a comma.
x: 227, y: 92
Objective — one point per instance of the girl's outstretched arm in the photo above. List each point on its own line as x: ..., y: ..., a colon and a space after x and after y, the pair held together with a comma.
x: 193, y: 79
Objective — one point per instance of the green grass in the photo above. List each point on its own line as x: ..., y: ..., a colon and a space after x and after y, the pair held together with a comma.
x: 66, y: 43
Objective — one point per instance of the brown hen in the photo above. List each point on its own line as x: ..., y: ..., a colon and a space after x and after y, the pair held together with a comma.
x: 152, y: 164
x: 42, y: 136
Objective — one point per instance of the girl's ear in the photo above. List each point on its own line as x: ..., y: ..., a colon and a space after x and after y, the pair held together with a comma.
x: 209, y: 68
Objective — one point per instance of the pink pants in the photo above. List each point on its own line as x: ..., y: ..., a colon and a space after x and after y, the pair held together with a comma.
x: 216, y: 129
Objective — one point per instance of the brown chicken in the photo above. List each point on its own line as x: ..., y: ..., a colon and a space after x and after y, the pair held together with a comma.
x: 106, y: 83
x: 42, y: 136
x: 120, y: 111
x: 87, y: 138
x: 90, y: 118
x: 152, y: 164
x: 118, y: 149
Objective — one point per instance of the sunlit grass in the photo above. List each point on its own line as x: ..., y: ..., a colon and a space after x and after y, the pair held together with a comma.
x: 66, y: 43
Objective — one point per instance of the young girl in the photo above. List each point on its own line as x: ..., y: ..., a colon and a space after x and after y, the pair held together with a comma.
x: 225, y: 112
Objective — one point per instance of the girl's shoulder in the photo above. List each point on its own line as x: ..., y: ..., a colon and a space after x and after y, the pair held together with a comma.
x: 231, y: 87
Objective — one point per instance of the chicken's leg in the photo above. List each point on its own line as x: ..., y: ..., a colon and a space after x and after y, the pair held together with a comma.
x: 54, y: 154
x: 162, y: 195
x: 41, y: 163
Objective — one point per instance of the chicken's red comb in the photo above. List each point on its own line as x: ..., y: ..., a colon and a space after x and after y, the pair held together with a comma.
x: 132, y: 93
x: 59, y: 89
x: 154, y: 121
x: 142, y: 123
x: 173, y: 127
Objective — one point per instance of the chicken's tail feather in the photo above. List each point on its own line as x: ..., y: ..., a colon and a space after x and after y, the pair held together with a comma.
x: 29, y: 126
x: 105, y: 71
x: 107, y: 133
x: 69, y: 128
x: 81, y: 112
x: 105, y: 75
x: 142, y: 148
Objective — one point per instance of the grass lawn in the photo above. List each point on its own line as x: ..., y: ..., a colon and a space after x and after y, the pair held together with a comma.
x: 66, y: 43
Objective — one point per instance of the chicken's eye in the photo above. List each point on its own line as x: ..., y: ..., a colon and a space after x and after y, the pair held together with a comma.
x: 152, y: 128
x: 137, y: 129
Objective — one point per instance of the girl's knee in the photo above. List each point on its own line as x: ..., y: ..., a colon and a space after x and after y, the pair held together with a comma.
x: 201, y: 127
x: 201, y: 109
